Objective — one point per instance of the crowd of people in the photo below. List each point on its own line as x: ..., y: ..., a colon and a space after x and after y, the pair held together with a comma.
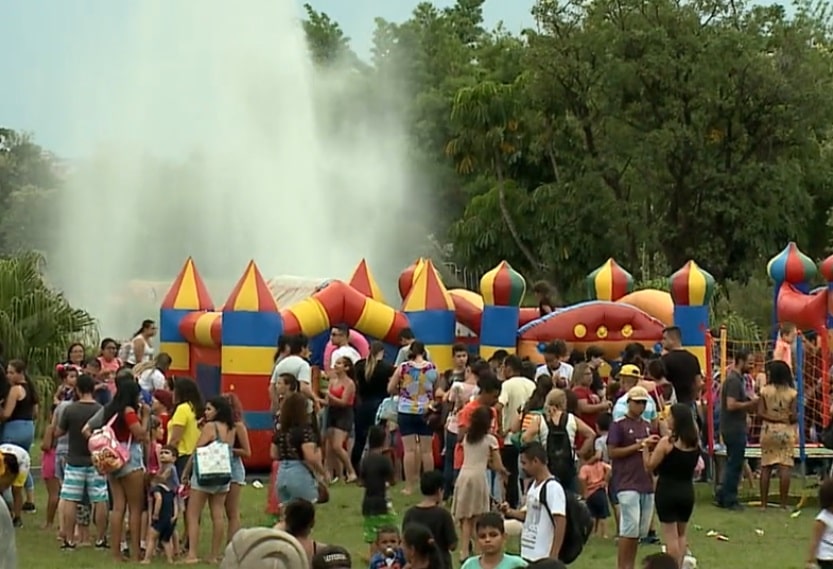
x: 494, y: 447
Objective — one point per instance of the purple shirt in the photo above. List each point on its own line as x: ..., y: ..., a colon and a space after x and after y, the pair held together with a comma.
x: 629, y: 473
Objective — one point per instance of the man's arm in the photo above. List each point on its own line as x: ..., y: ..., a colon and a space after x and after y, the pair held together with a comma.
x: 559, y: 522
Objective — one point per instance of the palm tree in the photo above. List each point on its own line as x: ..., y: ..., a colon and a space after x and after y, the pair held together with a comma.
x: 486, y: 117
x: 37, y: 323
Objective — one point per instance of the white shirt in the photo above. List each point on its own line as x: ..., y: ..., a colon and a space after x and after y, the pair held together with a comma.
x: 348, y: 352
x: 152, y: 379
x: 539, y: 527
x: 514, y: 393
x: 564, y: 371
x: 824, y: 551
x: 23, y: 459
x: 293, y: 365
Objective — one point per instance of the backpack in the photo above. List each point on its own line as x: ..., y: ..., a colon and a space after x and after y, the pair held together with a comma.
x: 526, y: 422
x: 560, y: 458
x: 579, y: 523
x: 107, y: 453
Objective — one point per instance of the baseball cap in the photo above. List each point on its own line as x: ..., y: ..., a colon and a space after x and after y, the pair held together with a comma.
x: 630, y: 370
x: 332, y: 557
x: 638, y: 394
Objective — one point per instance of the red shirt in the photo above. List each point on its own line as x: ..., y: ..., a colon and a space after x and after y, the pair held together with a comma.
x: 585, y: 393
x: 122, y: 428
x: 463, y: 420
x: 163, y: 427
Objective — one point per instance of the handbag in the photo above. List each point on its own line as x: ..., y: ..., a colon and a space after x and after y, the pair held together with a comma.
x: 212, y: 462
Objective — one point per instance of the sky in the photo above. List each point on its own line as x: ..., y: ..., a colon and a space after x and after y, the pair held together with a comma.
x: 45, y: 39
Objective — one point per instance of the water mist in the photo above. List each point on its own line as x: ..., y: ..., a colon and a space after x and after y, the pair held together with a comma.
x: 219, y: 141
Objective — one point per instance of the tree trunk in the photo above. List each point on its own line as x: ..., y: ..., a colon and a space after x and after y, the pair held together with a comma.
x: 510, y: 224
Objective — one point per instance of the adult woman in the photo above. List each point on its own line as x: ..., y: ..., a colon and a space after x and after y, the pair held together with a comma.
x: 76, y: 353
x: 459, y: 393
x: 590, y: 404
x: 107, y: 357
x: 20, y: 409
x: 372, y: 377
x: 341, y: 392
x: 556, y: 416
x: 218, y: 426
x: 286, y: 384
x: 242, y: 449
x: 140, y: 349
x: 674, y: 459
x: 471, y: 490
x: 183, y: 428
x: 296, y: 447
x: 127, y: 484
x: 413, y: 381
x: 777, y: 409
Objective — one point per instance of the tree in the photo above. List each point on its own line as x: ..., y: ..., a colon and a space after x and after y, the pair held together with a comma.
x: 36, y: 322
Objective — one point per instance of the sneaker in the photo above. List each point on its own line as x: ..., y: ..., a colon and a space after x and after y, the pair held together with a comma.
x: 102, y: 544
x: 67, y: 545
x: 17, y: 522
x: 29, y: 508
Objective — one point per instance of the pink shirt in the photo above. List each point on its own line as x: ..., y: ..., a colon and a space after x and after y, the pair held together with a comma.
x: 112, y: 365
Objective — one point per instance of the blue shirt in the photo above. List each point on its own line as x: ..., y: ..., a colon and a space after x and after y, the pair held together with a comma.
x: 380, y: 561
x: 508, y: 562
x: 620, y: 409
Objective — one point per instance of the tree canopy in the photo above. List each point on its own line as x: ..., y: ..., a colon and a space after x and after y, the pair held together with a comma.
x: 652, y: 132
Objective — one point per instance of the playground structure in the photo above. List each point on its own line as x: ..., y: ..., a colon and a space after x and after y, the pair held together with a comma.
x: 231, y: 348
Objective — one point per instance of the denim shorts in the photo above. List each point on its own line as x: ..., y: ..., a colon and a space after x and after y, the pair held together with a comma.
x: 135, y: 462
x: 219, y: 489
x: 635, y: 512
x: 238, y: 471
x: 294, y: 480
x: 413, y: 424
x: 60, y: 465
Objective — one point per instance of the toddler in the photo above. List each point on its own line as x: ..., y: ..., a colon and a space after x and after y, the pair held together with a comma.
x: 164, y: 507
x: 594, y: 476
x: 388, y: 554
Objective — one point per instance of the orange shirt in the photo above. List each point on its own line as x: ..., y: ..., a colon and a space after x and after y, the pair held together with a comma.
x: 783, y: 351
x: 463, y: 420
x: 594, y: 476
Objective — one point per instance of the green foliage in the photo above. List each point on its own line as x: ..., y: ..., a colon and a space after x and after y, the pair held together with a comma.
x: 37, y: 323
x: 45, y: 387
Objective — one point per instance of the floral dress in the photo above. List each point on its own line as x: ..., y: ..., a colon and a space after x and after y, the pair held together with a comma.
x: 778, y: 439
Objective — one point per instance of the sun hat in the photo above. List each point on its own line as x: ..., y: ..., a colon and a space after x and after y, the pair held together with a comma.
x: 638, y: 394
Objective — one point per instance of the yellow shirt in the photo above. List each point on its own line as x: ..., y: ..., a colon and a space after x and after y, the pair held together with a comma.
x: 185, y: 417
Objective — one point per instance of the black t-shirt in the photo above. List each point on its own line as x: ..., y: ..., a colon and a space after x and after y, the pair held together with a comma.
x: 289, y: 444
x: 439, y: 521
x: 681, y: 369
x: 376, y: 472
x: 375, y: 386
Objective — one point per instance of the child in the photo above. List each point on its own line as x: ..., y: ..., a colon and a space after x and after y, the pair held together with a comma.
x: 821, y: 544
x: 603, y: 426
x: 389, y: 554
x: 491, y: 539
x: 659, y: 561
x: 376, y: 474
x: 785, y: 343
x: 431, y: 513
x: 164, y: 509
x: 386, y: 417
x: 594, y: 476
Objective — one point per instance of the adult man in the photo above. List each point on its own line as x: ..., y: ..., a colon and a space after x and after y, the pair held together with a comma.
x: 294, y: 363
x: 514, y: 393
x: 735, y: 404
x: 80, y: 477
x: 629, y: 377
x: 595, y: 357
x: 545, y: 516
x: 634, y: 486
x: 560, y: 371
x: 682, y: 368
x: 340, y: 337
x: 406, y: 338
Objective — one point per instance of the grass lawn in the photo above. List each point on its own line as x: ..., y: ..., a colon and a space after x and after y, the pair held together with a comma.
x: 782, y: 545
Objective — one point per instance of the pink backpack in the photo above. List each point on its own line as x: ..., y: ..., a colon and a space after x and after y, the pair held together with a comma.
x: 108, y: 454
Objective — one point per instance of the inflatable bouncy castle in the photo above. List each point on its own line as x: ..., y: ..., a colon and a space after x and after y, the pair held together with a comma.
x: 231, y: 348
